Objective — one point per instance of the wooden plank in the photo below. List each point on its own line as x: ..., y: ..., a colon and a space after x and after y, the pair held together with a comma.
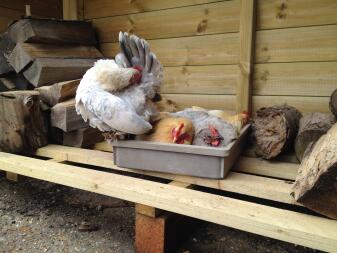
x: 217, y: 79
x: 302, y: 229
x: 267, y: 188
x: 317, y: 43
x: 58, y: 92
x: 277, y: 14
x: 69, y: 9
x: 154, y: 212
x: 221, y: 102
x: 246, y: 55
x: 220, y: 17
x: 304, y: 104
x: 25, y: 53
x: 295, y: 79
x: 53, y: 31
x: 104, y: 8
x: 46, y: 71
x: 64, y: 116
x: 197, y: 50
x: 47, y: 8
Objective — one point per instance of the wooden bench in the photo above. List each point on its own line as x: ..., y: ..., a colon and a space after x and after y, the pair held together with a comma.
x: 268, y: 210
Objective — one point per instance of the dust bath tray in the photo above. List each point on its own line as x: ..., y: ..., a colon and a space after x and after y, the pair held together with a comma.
x: 190, y: 160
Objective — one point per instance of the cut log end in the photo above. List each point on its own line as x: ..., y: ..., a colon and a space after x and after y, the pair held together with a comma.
x: 316, y: 185
x: 275, y: 129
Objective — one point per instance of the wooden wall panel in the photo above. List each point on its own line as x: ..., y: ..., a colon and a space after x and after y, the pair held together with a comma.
x: 216, y: 79
x: 316, y: 43
x: 273, y: 14
x: 295, y: 79
x: 196, y: 50
x: 211, y: 18
x: 105, y: 8
x: 7, y: 16
x: 197, y: 42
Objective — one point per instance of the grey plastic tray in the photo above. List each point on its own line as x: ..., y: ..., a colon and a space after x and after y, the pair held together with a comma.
x: 190, y: 160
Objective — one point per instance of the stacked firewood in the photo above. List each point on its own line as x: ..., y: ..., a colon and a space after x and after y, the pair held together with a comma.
x: 313, y: 137
x: 49, y: 56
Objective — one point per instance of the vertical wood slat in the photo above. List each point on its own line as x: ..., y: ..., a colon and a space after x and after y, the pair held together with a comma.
x: 70, y: 10
x: 246, y: 55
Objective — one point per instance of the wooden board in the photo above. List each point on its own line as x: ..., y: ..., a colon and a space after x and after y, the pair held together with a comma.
x: 197, y: 50
x: 246, y: 56
x: 46, y: 71
x: 25, y: 53
x: 276, y: 223
x: 295, y: 79
x: 266, y: 188
x: 64, y: 117
x: 104, y: 8
x: 227, y: 102
x: 278, y: 13
x: 7, y: 16
x: 52, y: 32
x: 271, y: 14
x: 220, y: 17
x: 316, y: 43
x: 217, y: 79
x: 58, y: 92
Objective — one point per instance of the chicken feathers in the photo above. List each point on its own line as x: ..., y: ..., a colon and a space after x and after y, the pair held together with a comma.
x: 116, y: 95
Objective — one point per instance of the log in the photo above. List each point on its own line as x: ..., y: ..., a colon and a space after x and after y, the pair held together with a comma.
x: 6, y: 47
x: 25, y: 53
x: 64, y: 117
x: 81, y: 138
x: 21, y: 123
x: 15, y: 81
x: 333, y: 103
x: 58, y: 92
x: 275, y: 129
x: 312, y: 126
x: 316, y: 185
x: 52, y: 31
x: 47, y: 71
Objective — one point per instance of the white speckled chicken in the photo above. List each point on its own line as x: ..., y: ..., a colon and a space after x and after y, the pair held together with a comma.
x: 210, y: 130
x: 115, y: 96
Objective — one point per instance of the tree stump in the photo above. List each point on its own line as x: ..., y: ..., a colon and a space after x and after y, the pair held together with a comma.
x: 21, y: 122
x: 316, y: 183
x: 312, y: 126
x: 275, y: 129
x: 333, y: 103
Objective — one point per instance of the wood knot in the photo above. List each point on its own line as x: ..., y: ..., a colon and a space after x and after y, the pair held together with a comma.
x: 282, y: 14
x: 264, y: 76
x: 206, y: 11
x: 202, y: 26
x: 283, y: 6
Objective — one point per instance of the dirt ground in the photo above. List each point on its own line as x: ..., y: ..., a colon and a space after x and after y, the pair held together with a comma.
x: 36, y: 216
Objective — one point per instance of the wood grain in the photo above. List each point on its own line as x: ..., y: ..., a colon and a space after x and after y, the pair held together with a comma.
x: 216, y: 79
x: 295, y: 79
x: 104, y: 8
x: 220, y: 17
x: 196, y: 50
x: 7, y: 16
x: 227, y: 102
x: 246, y: 55
x: 303, y: 229
x: 279, y: 13
x: 317, y: 43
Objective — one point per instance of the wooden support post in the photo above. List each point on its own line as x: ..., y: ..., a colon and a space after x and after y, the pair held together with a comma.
x: 246, y: 58
x: 12, y: 176
x: 158, y: 231
x: 70, y: 10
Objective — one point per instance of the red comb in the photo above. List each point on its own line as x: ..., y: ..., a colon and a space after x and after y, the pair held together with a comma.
x: 213, y: 130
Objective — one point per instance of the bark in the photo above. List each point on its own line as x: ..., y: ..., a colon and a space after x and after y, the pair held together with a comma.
x: 316, y: 183
x: 21, y: 122
x: 312, y: 127
x: 275, y: 129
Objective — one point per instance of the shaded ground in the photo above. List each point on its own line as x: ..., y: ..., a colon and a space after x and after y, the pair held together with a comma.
x: 36, y: 216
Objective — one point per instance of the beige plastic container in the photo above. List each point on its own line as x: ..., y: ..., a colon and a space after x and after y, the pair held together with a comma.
x: 189, y: 160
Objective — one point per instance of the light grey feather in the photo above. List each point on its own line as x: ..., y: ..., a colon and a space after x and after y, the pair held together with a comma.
x: 122, y: 61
